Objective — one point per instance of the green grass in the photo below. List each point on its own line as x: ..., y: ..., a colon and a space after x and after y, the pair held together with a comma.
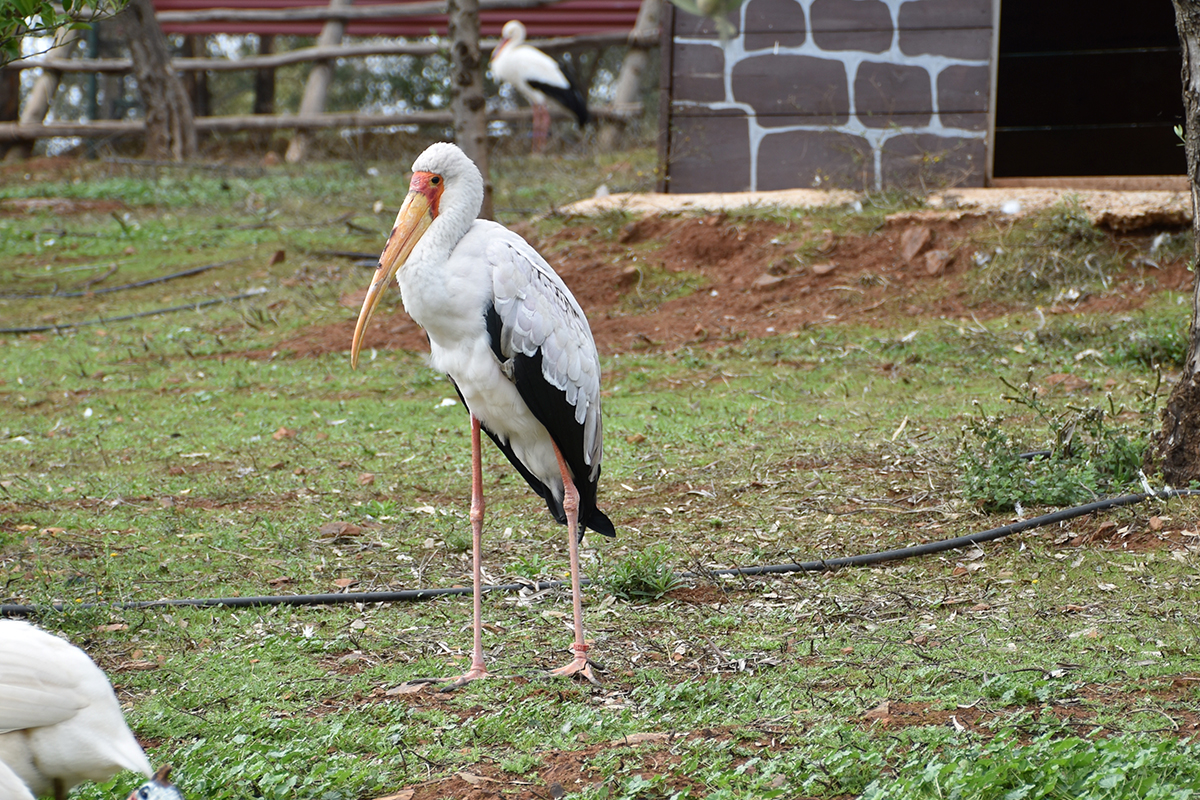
x: 149, y: 459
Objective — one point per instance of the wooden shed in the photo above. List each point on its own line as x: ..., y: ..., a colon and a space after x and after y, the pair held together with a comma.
x: 866, y: 94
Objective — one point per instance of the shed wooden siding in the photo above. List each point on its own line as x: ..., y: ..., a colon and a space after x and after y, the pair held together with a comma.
x: 848, y: 93
x: 569, y: 18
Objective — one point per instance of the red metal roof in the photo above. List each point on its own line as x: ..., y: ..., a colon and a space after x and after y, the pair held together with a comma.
x: 569, y: 18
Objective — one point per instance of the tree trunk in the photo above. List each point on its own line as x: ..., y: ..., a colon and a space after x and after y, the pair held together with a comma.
x: 170, y: 126
x: 196, y: 83
x: 1176, y: 448
x: 466, y: 90
x: 629, y: 82
x: 41, y: 96
x: 10, y: 99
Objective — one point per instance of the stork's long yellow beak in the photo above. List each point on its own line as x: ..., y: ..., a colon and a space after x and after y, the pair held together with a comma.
x: 414, y: 219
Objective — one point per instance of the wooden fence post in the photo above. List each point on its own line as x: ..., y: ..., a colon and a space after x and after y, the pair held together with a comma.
x: 42, y: 94
x: 264, y: 79
x: 466, y: 90
x: 317, y: 88
x: 630, y: 79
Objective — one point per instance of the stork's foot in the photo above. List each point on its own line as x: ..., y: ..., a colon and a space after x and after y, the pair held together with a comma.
x: 580, y: 665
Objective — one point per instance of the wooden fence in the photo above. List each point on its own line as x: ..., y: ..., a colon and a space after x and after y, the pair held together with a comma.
x: 312, y: 115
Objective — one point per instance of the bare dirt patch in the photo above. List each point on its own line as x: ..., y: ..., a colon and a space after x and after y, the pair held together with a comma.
x: 752, y: 282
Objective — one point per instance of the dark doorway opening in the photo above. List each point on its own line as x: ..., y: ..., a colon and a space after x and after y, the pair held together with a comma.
x: 1088, y: 89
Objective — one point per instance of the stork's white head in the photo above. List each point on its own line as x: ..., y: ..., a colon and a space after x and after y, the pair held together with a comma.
x: 444, y: 198
x: 513, y: 31
x: 511, y: 35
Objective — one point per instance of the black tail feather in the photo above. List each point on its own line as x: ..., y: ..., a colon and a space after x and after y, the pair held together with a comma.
x: 570, y: 97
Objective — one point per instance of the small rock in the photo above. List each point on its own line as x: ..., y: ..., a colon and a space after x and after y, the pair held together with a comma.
x: 914, y: 240
x: 766, y: 281
x: 936, y: 261
x: 826, y: 241
x: 629, y: 276
x: 824, y: 269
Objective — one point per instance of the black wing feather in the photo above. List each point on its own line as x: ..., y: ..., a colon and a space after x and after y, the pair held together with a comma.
x: 570, y: 96
x: 550, y: 407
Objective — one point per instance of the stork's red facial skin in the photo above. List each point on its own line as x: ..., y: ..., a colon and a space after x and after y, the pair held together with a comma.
x: 430, y: 185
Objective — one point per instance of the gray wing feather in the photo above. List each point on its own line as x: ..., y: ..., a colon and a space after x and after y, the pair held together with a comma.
x: 538, y: 313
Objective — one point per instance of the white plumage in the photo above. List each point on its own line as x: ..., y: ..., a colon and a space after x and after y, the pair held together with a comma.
x: 538, y: 77
x: 512, y: 338
x: 60, y: 722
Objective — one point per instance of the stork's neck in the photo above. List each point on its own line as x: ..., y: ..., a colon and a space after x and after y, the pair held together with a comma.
x: 457, y: 210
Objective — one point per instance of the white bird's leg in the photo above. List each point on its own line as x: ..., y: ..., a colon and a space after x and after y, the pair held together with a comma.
x: 580, y: 663
x: 541, y: 127
x: 477, y: 670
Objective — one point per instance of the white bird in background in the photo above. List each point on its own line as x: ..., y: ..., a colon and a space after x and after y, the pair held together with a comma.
x: 537, y: 76
x: 60, y: 722
x: 517, y: 346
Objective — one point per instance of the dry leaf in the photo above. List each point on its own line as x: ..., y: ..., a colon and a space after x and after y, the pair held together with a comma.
x: 336, y: 530
x: 345, y: 583
x: 638, y: 738
x: 284, y: 433
x: 881, y: 712
x: 366, y: 478
x: 404, y: 795
x: 475, y: 780
x: 112, y: 626
x: 405, y: 688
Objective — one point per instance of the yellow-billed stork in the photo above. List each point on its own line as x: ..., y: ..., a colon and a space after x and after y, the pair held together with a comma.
x: 517, y: 346
x: 537, y: 76
x: 60, y: 722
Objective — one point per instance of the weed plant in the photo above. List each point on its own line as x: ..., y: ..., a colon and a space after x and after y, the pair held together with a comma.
x: 1087, y: 456
x: 1158, y: 342
x: 1120, y: 768
x: 1056, y: 254
x: 639, y: 576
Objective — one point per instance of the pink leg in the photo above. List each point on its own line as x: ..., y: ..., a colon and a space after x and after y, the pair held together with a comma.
x: 541, y: 127
x: 580, y: 664
x: 477, y: 670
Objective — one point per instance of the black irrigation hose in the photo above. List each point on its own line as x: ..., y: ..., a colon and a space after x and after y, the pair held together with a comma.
x: 135, y: 285
x: 416, y: 595
x: 124, y: 318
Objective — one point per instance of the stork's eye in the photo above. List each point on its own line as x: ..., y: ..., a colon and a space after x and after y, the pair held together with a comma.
x: 435, y: 180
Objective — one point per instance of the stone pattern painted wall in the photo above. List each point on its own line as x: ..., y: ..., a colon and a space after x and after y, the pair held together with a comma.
x: 858, y: 94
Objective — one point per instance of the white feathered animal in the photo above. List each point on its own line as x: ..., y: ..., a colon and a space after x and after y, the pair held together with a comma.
x: 538, y: 77
x: 60, y: 722
x: 517, y: 346
x: 157, y: 788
